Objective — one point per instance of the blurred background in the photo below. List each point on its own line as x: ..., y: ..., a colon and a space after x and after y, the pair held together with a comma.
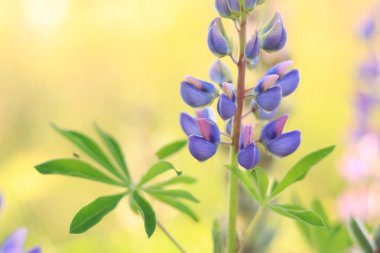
x: 119, y: 63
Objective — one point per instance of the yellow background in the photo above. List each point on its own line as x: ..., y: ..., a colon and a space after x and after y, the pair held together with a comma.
x: 119, y: 63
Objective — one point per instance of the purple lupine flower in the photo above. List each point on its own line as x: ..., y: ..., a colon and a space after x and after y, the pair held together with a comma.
x: 204, y: 135
x: 278, y: 143
x: 15, y: 243
x: 288, y: 80
x: 197, y: 93
x: 227, y: 102
x: 234, y: 6
x: 369, y: 70
x: 217, y: 40
x: 268, y: 94
x: 223, y: 9
x: 368, y: 28
x: 273, y: 34
x: 253, y: 47
x: 249, y: 5
x: 220, y: 73
x: 249, y: 155
x: 260, y: 113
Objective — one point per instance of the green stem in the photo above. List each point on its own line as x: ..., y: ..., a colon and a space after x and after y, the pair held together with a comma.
x: 171, y: 237
x: 251, y: 226
x: 233, y: 180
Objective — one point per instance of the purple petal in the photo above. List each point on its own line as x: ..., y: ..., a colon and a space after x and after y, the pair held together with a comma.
x: 220, y: 73
x: 189, y: 124
x: 274, y: 39
x: 216, y: 41
x: 229, y: 127
x: 196, y: 97
x: 260, y: 113
x: 226, y: 108
x: 252, y: 48
x: 222, y: 7
x: 15, y: 242
x: 269, y: 25
x: 265, y: 83
x: 249, y: 157
x: 229, y: 91
x: 250, y: 4
x: 35, y: 250
x: 270, y: 100
x: 206, y: 113
x: 209, y: 130
x: 280, y: 68
x: 234, y: 5
x: 289, y: 82
x: 368, y: 28
x: 285, y: 145
x: 246, y: 136
x: 200, y: 148
x: 273, y: 129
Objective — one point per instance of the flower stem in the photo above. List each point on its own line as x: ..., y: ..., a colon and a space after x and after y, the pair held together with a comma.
x: 171, y: 237
x: 251, y: 226
x: 233, y: 180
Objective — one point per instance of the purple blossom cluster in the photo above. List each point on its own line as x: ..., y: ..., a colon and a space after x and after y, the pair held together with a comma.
x: 360, y: 165
x: 264, y: 97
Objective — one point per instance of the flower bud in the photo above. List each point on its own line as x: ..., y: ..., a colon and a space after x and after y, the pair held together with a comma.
x: 249, y: 155
x: 226, y: 103
x: 249, y: 5
x: 252, y: 47
x: 196, y: 92
x: 278, y: 143
x: 220, y: 73
x: 217, y: 40
x: 268, y: 95
x: 234, y: 6
x: 288, y: 81
x: 223, y: 9
x: 273, y: 34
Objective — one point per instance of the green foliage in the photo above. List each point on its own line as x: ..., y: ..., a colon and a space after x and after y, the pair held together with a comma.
x: 119, y: 175
x: 170, y: 149
x: 246, y: 180
x: 300, y: 169
x: 262, y: 181
x: 217, y: 237
x: 361, y: 236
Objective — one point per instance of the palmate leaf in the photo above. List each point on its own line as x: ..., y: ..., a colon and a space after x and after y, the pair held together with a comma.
x: 92, y: 149
x: 176, y: 204
x: 93, y: 213
x: 156, y: 170
x: 300, y: 169
x: 262, y: 181
x: 361, y: 236
x: 299, y: 213
x: 75, y: 168
x: 180, y: 194
x: 170, y: 149
x: 115, y: 150
x: 182, y: 179
x: 147, y: 214
x: 246, y: 180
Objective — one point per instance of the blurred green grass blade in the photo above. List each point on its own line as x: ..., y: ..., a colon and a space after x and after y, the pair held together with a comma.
x: 75, y: 168
x: 115, y: 150
x: 175, y: 180
x: 300, y: 214
x: 361, y: 236
x: 245, y: 179
x: 217, y: 237
x: 262, y: 181
x: 88, y: 146
x: 301, y: 168
x: 170, y: 149
x: 147, y: 214
x: 93, y: 213
x: 180, y: 194
x: 177, y: 205
x: 156, y: 170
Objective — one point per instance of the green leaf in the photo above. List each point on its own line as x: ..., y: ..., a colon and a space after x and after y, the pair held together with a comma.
x: 94, y: 212
x: 182, y: 194
x: 177, y: 205
x: 115, y: 150
x: 75, y: 168
x: 170, y: 149
x: 299, y: 213
x: 245, y: 179
x: 158, y: 169
x: 88, y: 146
x: 320, y: 210
x: 175, y: 180
x: 300, y: 169
x: 262, y: 181
x: 217, y: 237
x: 360, y: 234
x: 147, y: 214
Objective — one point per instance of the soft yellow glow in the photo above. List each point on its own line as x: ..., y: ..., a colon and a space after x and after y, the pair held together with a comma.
x: 46, y: 14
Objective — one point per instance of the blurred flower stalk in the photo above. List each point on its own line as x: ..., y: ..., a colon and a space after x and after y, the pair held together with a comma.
x: 360, y: 165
